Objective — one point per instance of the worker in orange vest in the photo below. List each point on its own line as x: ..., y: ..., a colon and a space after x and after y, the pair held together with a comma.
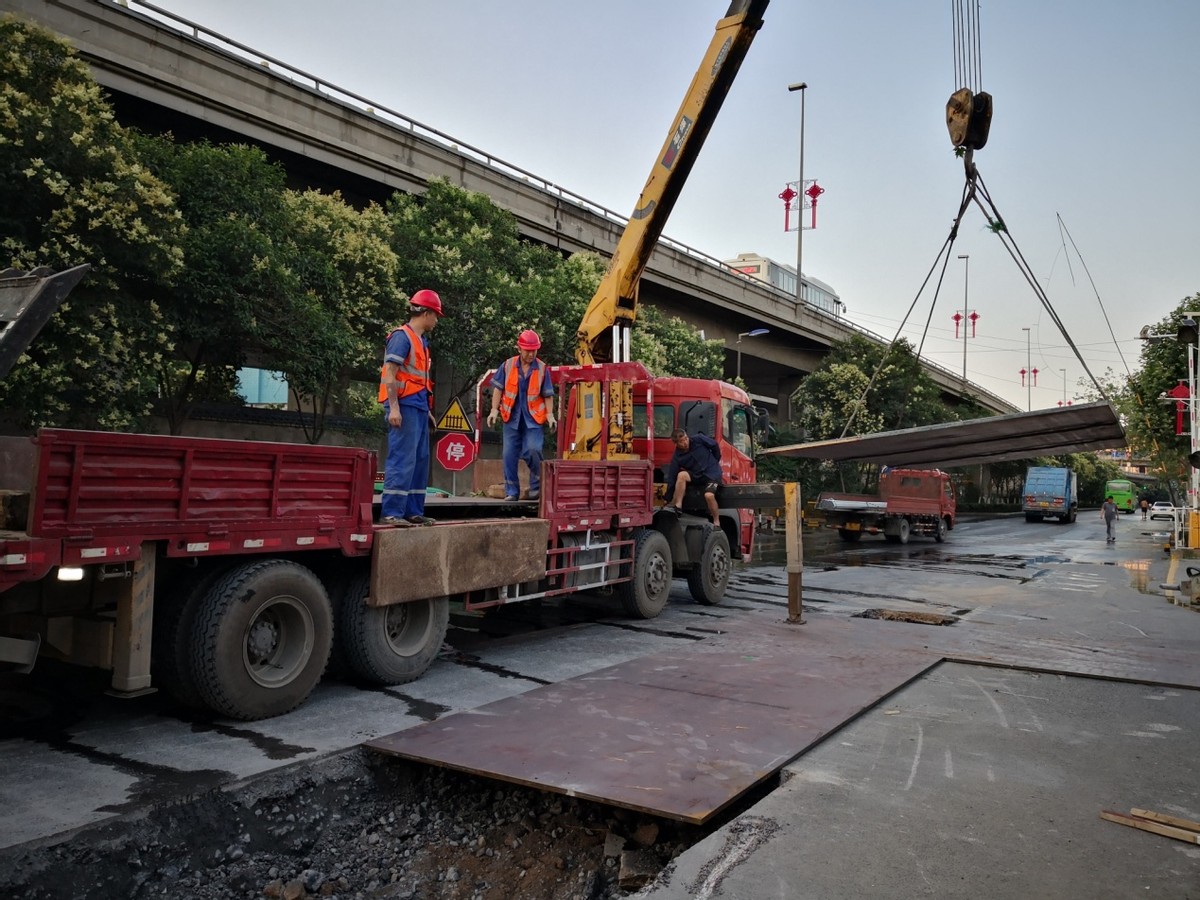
x: 523, y: 396
x: 406, y: 390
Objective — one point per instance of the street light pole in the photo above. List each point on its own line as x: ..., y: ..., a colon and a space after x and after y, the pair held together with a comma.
x: 802, y: 88
x: 966, y: 258
x: 754, y: 332
x: 1064, y: 374
x: 1028, y: 373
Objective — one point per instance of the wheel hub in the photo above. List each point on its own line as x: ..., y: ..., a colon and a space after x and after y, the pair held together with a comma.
x: 263, y: 639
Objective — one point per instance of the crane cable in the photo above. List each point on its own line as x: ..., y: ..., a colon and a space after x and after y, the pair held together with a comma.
x: 968, y: 119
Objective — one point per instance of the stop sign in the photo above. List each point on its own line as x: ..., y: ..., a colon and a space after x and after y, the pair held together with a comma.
x: 455, y: 452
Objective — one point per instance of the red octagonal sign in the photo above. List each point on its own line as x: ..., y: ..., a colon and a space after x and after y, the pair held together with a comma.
x: 455, y: 451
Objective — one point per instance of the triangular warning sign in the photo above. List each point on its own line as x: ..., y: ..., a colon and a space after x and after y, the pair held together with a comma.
x: 455, y: 418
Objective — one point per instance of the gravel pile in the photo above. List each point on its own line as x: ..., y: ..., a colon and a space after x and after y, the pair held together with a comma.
x: 356, y: 826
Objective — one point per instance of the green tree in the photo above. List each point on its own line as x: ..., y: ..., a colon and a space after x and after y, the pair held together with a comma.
x: 239, y: 269
x: 330, y: 324
x: 72, y: 191
x: 670, y: 346
x: 1149, y: 421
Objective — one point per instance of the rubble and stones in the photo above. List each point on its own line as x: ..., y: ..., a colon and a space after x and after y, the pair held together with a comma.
x: 356, y: 826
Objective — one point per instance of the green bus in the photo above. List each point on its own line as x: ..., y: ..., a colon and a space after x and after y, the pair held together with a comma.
x: 1124, y: 494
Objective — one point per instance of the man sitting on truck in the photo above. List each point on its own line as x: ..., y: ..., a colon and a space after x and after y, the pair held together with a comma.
x: 697, y: 459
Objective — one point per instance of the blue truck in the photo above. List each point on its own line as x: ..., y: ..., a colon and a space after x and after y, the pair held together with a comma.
x: 1050, y: 491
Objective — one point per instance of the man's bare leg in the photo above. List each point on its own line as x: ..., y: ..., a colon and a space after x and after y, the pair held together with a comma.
x: 711, y: 500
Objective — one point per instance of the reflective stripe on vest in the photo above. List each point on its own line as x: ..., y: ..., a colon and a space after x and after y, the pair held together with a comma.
x: 533, y: 396
x: 412, y: 374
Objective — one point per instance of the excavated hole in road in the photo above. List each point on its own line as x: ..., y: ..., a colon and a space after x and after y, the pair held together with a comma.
x: 356, y: 825
x: 898, y: 615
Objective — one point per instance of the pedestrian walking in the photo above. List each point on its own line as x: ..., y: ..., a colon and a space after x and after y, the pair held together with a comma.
x: 697, y: 460
x: 406, y: 390
x: 1109, y: 513
x: 523, y: 397
x: 1145, y: 504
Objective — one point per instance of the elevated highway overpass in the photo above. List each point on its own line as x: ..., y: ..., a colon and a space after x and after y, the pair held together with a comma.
x: 165, y: 72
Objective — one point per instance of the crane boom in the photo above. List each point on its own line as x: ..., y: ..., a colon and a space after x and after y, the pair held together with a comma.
x: 614, y: 305
x: 615, y: 300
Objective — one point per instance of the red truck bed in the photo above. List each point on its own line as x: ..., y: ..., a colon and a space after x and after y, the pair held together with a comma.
x: 98, y: 495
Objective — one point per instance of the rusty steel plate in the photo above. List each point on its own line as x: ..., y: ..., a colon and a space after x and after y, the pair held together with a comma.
x: 680, y: 734
x: 683, y: 734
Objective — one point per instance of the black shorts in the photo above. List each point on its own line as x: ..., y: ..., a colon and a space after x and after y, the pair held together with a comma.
x: 709, y: 487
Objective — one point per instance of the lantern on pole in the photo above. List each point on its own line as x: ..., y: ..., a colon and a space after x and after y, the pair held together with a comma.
x: 787, y: 196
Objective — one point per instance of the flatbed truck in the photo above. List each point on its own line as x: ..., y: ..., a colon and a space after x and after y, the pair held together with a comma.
x: 230, y: 571
x: 910, y: 501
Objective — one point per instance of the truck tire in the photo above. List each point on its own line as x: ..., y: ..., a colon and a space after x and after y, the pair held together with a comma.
x: 903, y: 529
x: 850, y: 537
x: 710, y: 576
x: 646, y: 594
x: 942, y: 528
x: 390, y: 644
x: 174, y: 634
x: 263, y: 634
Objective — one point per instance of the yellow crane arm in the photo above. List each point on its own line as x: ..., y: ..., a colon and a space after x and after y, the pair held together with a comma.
x: 615, y: 300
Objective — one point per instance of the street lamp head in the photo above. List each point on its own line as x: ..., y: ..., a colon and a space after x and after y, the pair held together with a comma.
x: 754, y: 332
x: 964, y: 256
x: 798, y: 86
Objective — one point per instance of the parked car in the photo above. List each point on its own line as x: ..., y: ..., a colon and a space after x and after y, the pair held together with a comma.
x: 1161, y: 509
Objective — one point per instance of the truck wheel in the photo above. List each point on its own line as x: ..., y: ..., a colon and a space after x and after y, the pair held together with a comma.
x: 940, y: 535
x: 263, y: 637
x: 390, y: 644
x: 850, y: 537
x: 175, y: 633
x: 709, y: 578
x: 902, y: 531
x: 646, y: 594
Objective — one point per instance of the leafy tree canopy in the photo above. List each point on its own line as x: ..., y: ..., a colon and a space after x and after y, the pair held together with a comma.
x: 1149, y: 421
x: 73, y: 191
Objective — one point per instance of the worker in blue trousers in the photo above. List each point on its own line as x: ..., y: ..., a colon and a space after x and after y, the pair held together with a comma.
x: 406, y: 390
x: 523, y: 397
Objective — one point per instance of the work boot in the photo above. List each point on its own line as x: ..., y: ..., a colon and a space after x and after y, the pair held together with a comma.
x: 395, y: 521
x: 421, y: 520
x: 533, y: 495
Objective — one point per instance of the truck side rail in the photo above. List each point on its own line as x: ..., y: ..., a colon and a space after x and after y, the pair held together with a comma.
x: 96, y: 485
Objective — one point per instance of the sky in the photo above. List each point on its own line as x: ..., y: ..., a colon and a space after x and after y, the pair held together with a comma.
x: 1095, y: 128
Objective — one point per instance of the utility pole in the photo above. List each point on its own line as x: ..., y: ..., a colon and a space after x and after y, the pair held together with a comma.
x: 802, y: 88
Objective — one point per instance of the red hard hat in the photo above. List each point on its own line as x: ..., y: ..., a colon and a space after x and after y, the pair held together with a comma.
x: 529, y: 340
x: 427, y: 300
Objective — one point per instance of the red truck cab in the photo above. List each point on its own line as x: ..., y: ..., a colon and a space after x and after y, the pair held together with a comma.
x: 716, y: 408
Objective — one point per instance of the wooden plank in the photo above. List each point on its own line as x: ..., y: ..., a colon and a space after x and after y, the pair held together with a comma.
x: 1164, y: 819
x: 1179, y: 834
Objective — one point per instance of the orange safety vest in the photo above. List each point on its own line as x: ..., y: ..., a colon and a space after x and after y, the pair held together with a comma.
x: 537, y: 403
x: 414, y: 373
